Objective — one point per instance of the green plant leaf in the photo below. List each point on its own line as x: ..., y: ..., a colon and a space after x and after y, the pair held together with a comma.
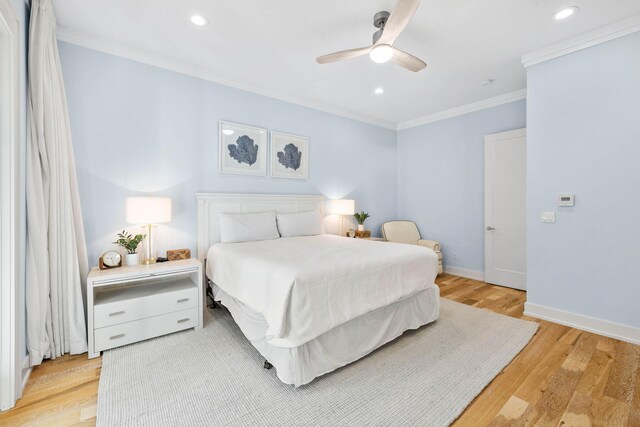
x: 361, y: 217
x: 129, y: 241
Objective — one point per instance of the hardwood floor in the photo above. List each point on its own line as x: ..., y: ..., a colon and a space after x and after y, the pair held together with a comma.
x: 564, y: 377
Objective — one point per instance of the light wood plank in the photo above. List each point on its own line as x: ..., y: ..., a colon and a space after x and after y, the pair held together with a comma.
x: 622, y: 380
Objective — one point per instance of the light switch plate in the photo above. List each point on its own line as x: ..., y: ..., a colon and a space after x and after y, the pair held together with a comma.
x: 548, y: 217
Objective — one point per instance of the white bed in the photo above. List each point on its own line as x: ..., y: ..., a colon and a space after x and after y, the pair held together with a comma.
x: 312, y: 304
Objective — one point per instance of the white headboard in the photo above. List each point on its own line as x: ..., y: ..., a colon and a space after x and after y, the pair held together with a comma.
x: 210, y: 205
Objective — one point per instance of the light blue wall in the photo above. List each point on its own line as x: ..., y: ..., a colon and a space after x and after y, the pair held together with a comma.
x: 142, y: 130
x: 584, y: 138
x: 441, y: 179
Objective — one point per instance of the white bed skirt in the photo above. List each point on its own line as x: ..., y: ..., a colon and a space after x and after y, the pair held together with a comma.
x: 341, y: 345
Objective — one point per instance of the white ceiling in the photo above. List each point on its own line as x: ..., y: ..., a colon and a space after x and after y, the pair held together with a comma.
x: 271, y: 45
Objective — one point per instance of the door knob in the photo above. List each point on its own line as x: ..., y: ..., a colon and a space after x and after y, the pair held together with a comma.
x: 490, y: 228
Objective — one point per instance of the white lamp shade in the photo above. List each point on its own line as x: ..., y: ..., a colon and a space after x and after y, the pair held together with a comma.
x: 148, y: 210
x: 341, y: 207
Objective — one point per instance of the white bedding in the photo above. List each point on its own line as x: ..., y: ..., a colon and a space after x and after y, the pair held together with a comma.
x: 339, y: 346
x: 305, y: 286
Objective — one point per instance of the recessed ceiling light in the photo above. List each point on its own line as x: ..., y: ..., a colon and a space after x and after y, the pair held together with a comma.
x: 565, y: 13
x: 199, y: 20
x: 227, y: 132
x: 379, y: 91
x: 381, y: 53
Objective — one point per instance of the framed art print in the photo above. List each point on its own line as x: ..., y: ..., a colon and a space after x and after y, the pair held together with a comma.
x: 243, y: 149
x: 289, y: 156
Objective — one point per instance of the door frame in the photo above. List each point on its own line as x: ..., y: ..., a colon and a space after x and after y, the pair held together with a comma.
x: 10, y: 211
x: 488, y: 195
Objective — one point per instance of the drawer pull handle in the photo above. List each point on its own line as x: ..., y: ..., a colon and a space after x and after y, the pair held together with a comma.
x: 117, y: 313
x: 183, y: 320
x: 115, y: 337
x: 183, y: 300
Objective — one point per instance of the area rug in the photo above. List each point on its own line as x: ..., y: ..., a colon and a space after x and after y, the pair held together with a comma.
x: 214, y: 377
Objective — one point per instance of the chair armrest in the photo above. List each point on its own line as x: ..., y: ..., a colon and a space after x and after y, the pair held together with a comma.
x: 431, y: 244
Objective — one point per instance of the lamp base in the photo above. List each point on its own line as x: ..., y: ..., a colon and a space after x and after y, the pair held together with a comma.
x: 148, y: 260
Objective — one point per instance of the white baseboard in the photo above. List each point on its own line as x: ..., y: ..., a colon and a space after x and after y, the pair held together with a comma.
x: 26, y: 373
x: 585, y: 323
x: 465, y: 272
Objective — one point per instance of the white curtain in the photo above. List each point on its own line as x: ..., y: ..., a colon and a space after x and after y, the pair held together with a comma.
x: 56, y: 252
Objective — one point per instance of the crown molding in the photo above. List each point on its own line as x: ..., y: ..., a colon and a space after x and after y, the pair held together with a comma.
x: 583, y: 41
x: 465, y: 109
x: 91, y: 41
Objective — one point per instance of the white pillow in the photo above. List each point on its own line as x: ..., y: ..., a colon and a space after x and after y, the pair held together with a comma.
x: 235, y: 228
x: 300, y: 224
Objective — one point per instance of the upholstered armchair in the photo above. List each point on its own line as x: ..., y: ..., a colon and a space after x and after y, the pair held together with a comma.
x: 407, y: 232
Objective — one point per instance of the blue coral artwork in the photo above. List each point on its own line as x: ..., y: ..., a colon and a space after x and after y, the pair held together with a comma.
x: 242, y: 149
x: 289, y: 156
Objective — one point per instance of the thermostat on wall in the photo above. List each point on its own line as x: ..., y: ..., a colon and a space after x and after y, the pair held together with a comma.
x: 566, y: 200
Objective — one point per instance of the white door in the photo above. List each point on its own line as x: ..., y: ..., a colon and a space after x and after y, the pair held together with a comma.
x: 505, y: 209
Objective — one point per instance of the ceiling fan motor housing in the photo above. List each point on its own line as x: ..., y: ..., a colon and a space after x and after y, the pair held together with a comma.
x: 379, y: 20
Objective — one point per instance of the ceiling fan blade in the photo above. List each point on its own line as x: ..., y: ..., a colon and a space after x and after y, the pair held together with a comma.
x: 408, y: 61
x: 345, y: 54
x: 398, y: 20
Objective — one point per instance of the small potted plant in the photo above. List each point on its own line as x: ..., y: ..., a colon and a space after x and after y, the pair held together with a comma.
x: 361, y: 217
x: 130, y: 243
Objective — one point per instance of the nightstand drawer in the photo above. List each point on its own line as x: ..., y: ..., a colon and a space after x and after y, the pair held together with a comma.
x: 128, y: 304
x: 130, y: 332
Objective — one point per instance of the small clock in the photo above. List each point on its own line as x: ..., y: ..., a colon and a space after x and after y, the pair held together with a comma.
x: 110, y: 259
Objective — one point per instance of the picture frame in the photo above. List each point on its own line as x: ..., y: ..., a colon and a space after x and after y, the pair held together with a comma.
x: 242, y: 149
x: 289, y: 156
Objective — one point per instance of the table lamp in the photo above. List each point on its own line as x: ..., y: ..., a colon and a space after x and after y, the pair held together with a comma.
x: 148, y: 211
x: 341, y: 207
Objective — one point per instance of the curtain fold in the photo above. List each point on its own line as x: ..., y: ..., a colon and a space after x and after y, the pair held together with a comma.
x: 57, y: 264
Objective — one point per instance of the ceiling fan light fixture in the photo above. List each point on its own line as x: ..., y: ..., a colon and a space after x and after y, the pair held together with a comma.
x: 565, y: 13
x: 390, y: 26
x: 381, y: 53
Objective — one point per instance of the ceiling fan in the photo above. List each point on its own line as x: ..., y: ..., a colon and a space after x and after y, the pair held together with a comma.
x: 382, y: 50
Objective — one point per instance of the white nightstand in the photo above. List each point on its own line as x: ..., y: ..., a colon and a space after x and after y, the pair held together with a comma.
x: 135, y: 303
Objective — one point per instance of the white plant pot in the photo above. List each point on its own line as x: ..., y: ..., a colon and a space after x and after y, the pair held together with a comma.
x: 132, y: 259
x: 360, y: 227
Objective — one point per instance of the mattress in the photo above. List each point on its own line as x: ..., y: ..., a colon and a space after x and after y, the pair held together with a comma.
x: 304, y: 287
x: 341, y: 345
